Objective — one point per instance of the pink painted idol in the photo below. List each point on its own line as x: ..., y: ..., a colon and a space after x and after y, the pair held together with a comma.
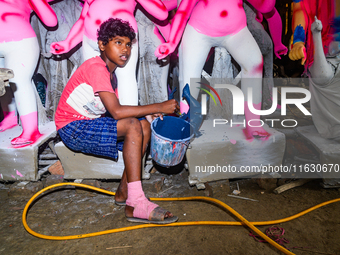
x: 94, y: 12
x: 209, y: 23
x: 19, y: 51
x: 304, y: 13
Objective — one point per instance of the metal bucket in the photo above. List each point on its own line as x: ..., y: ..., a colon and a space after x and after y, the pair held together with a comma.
x: 170, y: 138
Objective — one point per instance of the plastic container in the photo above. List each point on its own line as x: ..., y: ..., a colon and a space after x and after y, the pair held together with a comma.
x: 170, y: 138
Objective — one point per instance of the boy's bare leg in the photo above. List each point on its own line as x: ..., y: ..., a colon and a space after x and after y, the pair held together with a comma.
x: 121, y: 193
x: 321, y: 71
x: 131, y: 130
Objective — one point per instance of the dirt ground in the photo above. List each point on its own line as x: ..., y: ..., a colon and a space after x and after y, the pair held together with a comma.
x: 71, y: 212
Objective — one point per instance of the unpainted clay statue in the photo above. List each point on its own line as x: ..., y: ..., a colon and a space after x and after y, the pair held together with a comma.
x: 324, y: 87
x: 315, y: 44
x: 19, y: 51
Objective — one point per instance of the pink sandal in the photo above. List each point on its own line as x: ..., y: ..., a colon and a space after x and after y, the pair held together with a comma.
x: 147, y: 212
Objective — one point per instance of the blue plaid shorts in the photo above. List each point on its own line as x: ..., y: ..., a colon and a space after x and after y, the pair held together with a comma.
x: 97, y: 137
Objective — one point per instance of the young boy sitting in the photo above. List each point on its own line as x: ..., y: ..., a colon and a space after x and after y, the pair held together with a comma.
x: 90, y: 92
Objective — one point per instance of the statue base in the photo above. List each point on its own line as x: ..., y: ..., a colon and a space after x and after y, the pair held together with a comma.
x: 329, y: 153
x: 223, y: 152
x: 21, y: 164
x: 78, y: 165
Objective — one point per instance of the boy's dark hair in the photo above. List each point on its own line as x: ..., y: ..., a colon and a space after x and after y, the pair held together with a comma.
x: 115, y: 27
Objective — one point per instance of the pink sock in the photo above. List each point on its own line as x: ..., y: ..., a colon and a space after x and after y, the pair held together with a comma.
x: 136, y: 199
x: 10, y: 120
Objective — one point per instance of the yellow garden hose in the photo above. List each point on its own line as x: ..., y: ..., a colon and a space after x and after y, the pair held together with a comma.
x: 251, y: 225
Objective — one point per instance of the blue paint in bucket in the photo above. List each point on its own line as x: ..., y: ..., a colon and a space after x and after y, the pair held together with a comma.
x: 170, y: 138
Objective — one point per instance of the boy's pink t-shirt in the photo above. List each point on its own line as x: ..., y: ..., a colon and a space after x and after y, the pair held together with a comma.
x: 80, y: 99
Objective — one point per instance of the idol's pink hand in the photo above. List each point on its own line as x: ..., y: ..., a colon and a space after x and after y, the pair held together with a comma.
x: 59, y: 48
x: 164, y: 50
x: 280, y: 50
